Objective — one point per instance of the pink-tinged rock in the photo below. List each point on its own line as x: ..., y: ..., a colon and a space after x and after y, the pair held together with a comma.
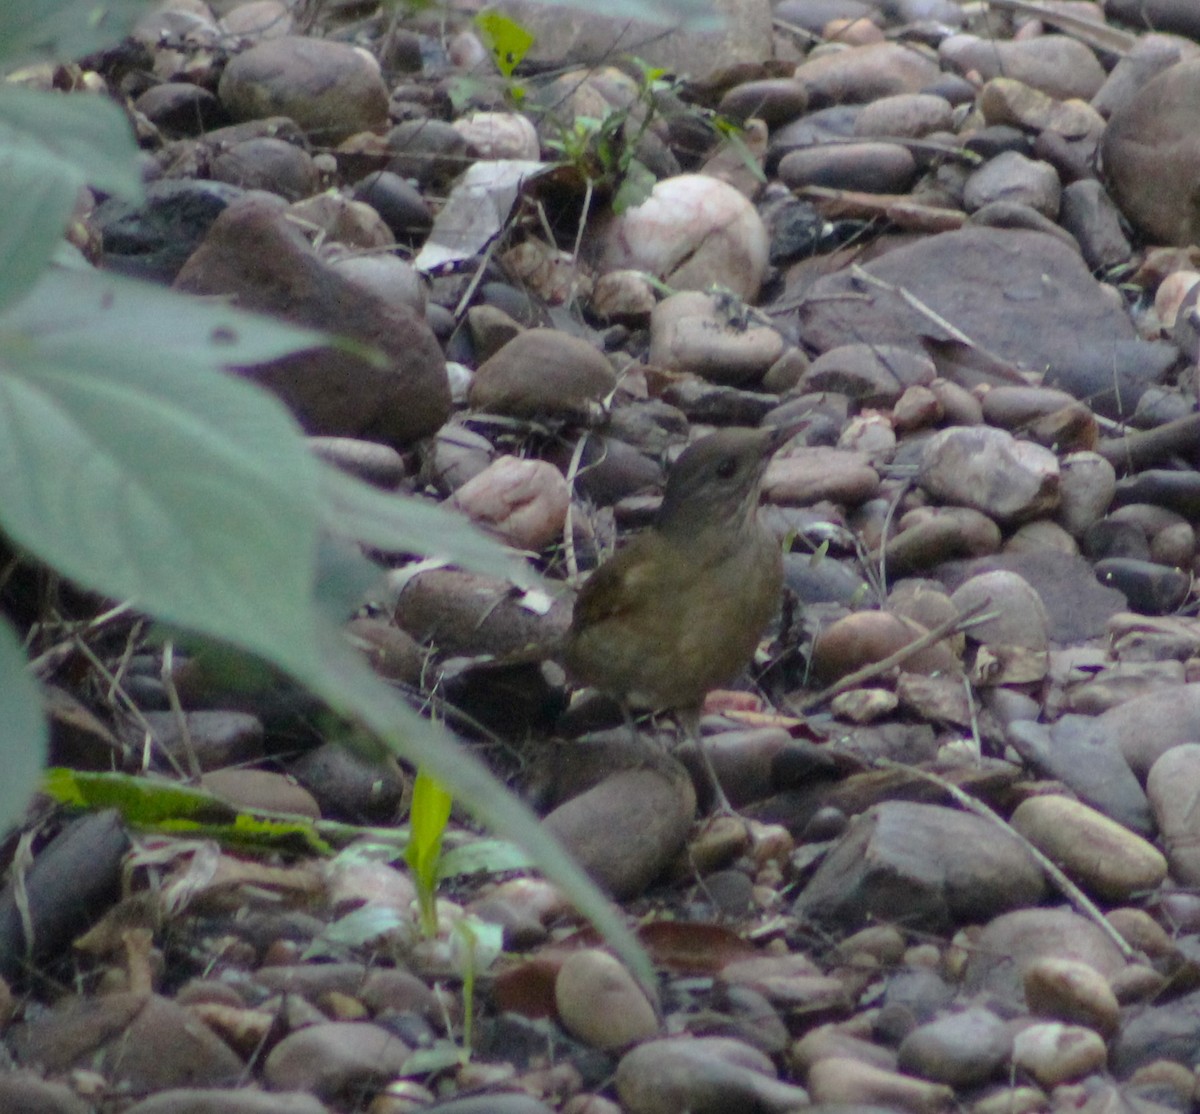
x: 525, y: 501
x: 692, y: 232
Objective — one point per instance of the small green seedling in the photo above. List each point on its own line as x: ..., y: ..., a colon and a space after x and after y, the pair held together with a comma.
x: 428, y: 817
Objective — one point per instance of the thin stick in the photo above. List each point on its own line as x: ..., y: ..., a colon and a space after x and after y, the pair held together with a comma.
x: 914, y: 303
x: 1069, y: 890
x: 875, y: 669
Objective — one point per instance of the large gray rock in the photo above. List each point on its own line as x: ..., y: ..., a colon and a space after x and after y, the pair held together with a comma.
x: 254, y: 254
x: 332, y: 90
x: 572, y: 35
x: 1023, y: 296
x: 1151, y: 152
x: 921, y: 865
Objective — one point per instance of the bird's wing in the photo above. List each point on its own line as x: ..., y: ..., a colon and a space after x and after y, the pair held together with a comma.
x: 623, y: 584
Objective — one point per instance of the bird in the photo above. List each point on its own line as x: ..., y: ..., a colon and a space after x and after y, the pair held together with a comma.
x: 680, y: 610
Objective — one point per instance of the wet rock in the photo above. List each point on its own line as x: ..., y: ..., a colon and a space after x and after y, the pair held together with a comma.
x: 849, y: 1085
x: 499, y: 135
x: 1054, y: 1053
x: 216, y: 738
x: 1086, y: 485
x: 871, y: 374
x: 1162, y: 15
x: 209, y: 1101
x: 1163, y: 1031
x: 864, y: 73
x: 1084, y: 753
x: 1150, y: 588
x: 871, y: 167
x: 991, y: 471
x: 73, y: 880
x: 261, y: 789
x: 705, y: 335
x: 1012, y: 177
x: 1056, y: 64
x: 252, y: 253
x: 1072, y: 991
x: 691, y: 232
x: 335, y: 1059
x: 962, y: 1049
x: 26, y: 1092
x: 601, y: 1003
x: 1171, y: 788
x: 1012, y: 942
x: 775, y: 101
x: 954, y: 273
x: 1149, y: 149
x: 181, y: 108
x: 1106, y: 859
x: 927, y: 864
x: 542, y: 372
x: 429, y: 151
x: 267, y: 164
x: 704, y: 1076
x: 258, y: 19
x: 348, y: 786
x: 931, y: 535
x: 1090, y: 215
x: 142, y: 1041
x: 596, y: 37
x: 401, y: 206
x: 1022, y: 622
x: 330, y: 89
x: 464, y: 613
x: 626, y: 829
x: 907, y: 115
x: 523, y: 501
x: 1148, y: 726
x: 154, y: 241
x: 866, y: 637
x: 805, y: 476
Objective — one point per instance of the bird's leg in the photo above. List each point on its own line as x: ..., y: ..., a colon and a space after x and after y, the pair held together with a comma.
x: 689, y: 720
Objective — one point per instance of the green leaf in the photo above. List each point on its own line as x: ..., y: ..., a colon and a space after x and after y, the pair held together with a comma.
x: 398, y: 524
x: 436, y: 1058
x: 138, y: 799
x: 143, y: 472
x: 24, y: 739
x: 635, y: 187
x: 430, y: 812
x: 508, y: 41
x: 354, y: 930
x: 82, y: 130
x: 60, y: 30
x: 483, y: 856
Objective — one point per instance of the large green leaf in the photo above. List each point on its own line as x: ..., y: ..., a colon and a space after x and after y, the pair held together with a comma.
x: 23, y: 737
x: 128, y: 462
x: 81, y: 130
x: 39, y: 193
x: 397, y: 524
x: 59, y: 30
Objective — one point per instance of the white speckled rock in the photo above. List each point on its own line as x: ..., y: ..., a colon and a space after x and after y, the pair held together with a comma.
x: 499, y: 135
x: 691, y: 232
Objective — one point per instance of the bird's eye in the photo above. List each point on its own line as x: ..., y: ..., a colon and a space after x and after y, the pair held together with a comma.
x: 727, y: 468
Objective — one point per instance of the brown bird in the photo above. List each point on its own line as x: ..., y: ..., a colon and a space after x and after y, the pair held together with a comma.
x: 680, y: 610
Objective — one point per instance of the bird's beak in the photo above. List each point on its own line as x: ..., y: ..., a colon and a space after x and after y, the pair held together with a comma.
x: 778, y: 436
